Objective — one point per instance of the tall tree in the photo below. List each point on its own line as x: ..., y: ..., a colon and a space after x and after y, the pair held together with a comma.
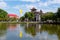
x: 58, y: 13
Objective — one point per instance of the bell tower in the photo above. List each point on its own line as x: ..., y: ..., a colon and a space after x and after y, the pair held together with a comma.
x: 33, y: 9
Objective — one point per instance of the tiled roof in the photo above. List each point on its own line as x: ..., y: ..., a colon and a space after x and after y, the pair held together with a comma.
x: 13, y: 15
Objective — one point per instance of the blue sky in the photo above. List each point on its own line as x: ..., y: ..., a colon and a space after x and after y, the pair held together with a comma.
x: 15, y: 5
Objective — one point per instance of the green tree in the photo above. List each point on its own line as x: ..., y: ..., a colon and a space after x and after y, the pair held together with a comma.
x: 29, y: 15
x: 13, y: 19
x: 58, y: 14
x: 3, y: 15
x: 48, y: 16
x: 22, y: 18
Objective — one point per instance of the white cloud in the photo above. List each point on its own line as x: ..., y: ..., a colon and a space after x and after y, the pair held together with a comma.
x: 3, y: 5
x: 49, y: 2
x: 23, y: 0
x: 26, y: 6
x: 30, y: 6
x: 49, y: 10
x: 55, y: 1
x: 43, y: 4
x: 30, y: 0
x: 16, y: 7
x: 8, y: 0
x: 1, y: 0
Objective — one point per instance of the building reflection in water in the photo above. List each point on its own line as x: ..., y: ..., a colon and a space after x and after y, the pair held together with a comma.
x: 32, y: 29
x: 12, y: 26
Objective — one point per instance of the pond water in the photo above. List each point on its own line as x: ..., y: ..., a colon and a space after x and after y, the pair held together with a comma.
x: 29, y: 31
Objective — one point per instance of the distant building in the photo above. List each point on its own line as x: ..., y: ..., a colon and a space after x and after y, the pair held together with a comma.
x: 37, y: 14
x: 13, y: 16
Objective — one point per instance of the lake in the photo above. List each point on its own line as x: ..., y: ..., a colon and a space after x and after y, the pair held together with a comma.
x: 29, y: 31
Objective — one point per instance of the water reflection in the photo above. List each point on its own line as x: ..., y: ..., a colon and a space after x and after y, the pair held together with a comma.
x: 12, y: 26
x: 3, y: 30
x: 46, y: 31
x: 52, y: 29
x: 30, y: 31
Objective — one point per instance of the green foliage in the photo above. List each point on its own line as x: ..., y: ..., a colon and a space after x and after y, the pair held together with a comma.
x: 3, y: 15
x: 22, y: 18
x: 29, y: 15
x: 48, y: 16
x: 58, y: 13
x: 13, y: 19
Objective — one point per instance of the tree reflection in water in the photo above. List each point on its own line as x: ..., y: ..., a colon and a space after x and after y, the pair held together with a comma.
x: 50, y: 28
x: 3, y: 29
x: 33, y: 29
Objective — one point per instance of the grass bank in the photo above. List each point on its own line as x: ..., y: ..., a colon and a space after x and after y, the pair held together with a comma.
x: 19, y: 22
